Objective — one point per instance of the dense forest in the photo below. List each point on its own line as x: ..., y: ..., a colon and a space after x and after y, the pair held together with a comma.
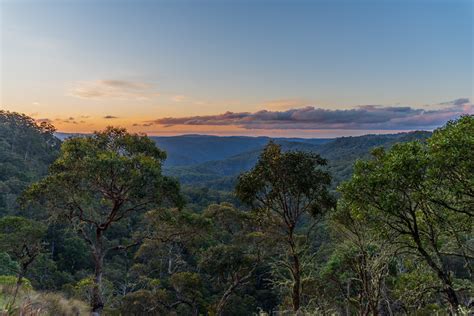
x: 102, y: 224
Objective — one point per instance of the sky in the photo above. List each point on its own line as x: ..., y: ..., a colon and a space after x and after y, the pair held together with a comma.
x: 277, y: 68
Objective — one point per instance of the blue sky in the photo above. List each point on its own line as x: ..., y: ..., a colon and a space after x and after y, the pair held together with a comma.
x: 140, y: 61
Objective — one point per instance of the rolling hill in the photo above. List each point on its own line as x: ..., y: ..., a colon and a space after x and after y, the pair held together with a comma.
x: 188, y: 150
x: 341, y: 153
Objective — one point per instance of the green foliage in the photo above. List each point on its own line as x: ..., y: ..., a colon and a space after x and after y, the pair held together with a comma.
x: 101, y: 181
x: 84, y: 290
x: 26, y: 150
x: 7, y: 265
x: 282, y: 179
x: 144, y: 302
x: 451, y: 168
x: 287, y: 191
x: 45, y: 274
x: 93, y: 173
x: 10, y: 281
x: 22, y: 239
x: 402, y: 196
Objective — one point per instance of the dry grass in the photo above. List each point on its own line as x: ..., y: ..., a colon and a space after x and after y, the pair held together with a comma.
x: 31, y: 303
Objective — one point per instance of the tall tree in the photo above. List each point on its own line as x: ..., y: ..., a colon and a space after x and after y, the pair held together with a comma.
x: 100, y: 180
x: 395, y: 192
x: 287, y: 191
x: 451, y: 177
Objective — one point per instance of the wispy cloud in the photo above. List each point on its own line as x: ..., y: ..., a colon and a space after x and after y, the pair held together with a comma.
x: 309, y: 117
x: 69, y: 120
x: 113, y: 88
x: 283, y: 104
x: 110, y: 117
x: 178, y: 98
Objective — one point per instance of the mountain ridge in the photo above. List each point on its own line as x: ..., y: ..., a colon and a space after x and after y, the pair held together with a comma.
x: 341, y: 154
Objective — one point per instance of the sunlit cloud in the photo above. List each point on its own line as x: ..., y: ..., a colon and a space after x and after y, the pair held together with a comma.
x: 178, y: 98
x: 283, y: 104
x: 376, y: 117
x: 111, y: 88
x: 69, y: 120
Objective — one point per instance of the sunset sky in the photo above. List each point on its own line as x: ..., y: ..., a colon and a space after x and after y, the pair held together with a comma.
x: 278, y: 68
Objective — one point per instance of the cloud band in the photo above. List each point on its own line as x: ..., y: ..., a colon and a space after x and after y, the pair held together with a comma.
x: 363, y: 117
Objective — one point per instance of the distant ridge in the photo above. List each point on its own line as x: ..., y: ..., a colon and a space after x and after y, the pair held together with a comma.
x: 186, y: 150
x: 341, y: 153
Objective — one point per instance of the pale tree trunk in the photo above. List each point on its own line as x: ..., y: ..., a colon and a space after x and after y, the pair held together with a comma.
x: 297, y: 284
x: 296, y: 271
x: 239, y: 281
x: 97, y: 301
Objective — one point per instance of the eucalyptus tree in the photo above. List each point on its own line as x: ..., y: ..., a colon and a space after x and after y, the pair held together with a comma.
x: 451, y: 175
x: 100, y: 180
x: 287, y: 191
x: 402, y: 196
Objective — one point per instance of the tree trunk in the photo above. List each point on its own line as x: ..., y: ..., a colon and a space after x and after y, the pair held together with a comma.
x: 17, y: 288
x: 97, y: 301
x: 443, y: 276
x: 239, y: 281
x: 222, y: 302
x: 348, y: 302
x: 195, y: 310
x: 297, y: 283
x: 295, y: 271
x: 452, y: 298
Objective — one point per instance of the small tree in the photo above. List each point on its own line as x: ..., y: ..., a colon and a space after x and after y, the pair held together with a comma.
x: 287, y: 191
x: 22, y: 239
x: 102, y: 179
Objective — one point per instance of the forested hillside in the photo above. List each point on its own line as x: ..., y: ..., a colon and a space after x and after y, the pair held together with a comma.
x: 194, y: 149
x: 221, y: 174
x: 370, y: 225
x: 26, y: 151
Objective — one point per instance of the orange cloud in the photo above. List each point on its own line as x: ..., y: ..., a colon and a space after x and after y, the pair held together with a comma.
x: 112, y: 88
x: 283, y: 104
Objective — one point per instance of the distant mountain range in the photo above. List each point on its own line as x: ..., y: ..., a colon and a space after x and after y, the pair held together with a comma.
x: 188, y: 150
x: 215, y: 162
